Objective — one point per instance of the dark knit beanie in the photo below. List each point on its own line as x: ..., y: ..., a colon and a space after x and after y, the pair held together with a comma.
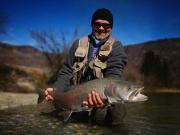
x: 103, y: 14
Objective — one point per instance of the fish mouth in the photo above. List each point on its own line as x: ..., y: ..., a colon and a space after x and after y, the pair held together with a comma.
x: 136, y: 96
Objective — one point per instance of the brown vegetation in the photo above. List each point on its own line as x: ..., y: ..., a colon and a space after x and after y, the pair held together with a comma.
x: 21, y: 79
x: 155, y: 64
x: 22, y: 68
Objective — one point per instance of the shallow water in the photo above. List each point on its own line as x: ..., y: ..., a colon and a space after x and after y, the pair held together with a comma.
x: 160, y: 115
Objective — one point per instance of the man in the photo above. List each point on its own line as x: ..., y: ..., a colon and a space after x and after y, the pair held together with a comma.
x: 97, y: 55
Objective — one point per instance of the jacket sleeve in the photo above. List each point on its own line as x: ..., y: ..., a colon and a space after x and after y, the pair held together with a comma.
x: 63, y: 81
x: 116, y: 61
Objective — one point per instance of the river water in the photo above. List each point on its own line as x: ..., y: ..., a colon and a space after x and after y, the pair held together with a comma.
x: 160, y: 115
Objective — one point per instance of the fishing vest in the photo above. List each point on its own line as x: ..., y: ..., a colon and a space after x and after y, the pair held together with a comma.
x: 98, y: 64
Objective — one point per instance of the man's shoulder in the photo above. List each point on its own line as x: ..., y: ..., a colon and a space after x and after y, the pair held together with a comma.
x: 117, y: 44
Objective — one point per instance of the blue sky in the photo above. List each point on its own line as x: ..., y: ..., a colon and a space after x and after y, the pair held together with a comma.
x: 135, y: 21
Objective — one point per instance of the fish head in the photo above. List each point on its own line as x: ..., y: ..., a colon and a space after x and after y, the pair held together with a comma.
x: 126, y: 91
x: 134, y: 94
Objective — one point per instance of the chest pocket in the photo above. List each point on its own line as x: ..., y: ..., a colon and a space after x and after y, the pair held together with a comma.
x: 100, y: 62
x: 81, y: 56
x: 97, y: 64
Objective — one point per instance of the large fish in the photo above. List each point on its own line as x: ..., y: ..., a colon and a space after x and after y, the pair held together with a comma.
x: 111, y: 91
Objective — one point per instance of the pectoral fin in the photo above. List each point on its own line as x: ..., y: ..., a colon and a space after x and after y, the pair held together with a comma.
x: 111, y: 100
x: 108, y: 92
x: 67, y: 115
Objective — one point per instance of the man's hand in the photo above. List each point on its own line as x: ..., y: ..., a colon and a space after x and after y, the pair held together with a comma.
x: 94, y: 99
x: 48, y: 95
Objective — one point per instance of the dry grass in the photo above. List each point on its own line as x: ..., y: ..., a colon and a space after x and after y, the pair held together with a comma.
x: 15, y: 78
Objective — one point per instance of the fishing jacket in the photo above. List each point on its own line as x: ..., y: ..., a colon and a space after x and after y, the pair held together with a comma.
x: 81, y: 66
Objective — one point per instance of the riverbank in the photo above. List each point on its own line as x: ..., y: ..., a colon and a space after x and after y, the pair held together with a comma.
x: 161, y: 90
x: 10, y: 100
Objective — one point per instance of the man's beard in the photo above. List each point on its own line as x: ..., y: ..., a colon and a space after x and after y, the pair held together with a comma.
x: 101, y: 34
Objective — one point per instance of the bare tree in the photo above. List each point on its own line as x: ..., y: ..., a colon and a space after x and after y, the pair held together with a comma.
x: 55, y: 49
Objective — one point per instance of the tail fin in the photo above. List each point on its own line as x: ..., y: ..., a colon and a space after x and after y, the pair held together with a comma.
x: 41, y: 95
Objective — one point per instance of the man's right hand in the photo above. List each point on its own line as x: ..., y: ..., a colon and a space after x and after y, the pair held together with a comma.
x: 48, y: 95
x: 94, y: 99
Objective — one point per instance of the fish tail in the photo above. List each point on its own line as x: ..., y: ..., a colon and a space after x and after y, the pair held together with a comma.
x: 41, y: 95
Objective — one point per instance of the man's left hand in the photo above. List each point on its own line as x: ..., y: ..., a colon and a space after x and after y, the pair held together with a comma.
x: 94, y: 99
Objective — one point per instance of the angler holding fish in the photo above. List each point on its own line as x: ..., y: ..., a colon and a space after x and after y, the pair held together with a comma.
x: 90, y: 59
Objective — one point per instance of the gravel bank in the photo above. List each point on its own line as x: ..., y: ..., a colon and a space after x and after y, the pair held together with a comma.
x: 10, y: 100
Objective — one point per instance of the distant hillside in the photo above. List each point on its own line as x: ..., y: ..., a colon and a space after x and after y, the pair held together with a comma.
x: 22, y: 68
x: 167, y: 50
x: 22, y: 56
x: 155, y: 64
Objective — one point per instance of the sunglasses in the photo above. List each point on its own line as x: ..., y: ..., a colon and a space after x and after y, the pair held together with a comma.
x: 104, y: 25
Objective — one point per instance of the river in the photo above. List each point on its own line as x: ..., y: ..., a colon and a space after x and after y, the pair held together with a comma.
x: 160, y: 115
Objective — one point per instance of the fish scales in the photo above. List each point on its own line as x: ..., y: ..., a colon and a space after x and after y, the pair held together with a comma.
x: 73, y: 98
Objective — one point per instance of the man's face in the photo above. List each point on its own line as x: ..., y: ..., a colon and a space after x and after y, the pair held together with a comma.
x: 101, y: 29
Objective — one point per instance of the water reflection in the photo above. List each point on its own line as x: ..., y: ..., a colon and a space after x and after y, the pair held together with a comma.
x: 159, y: 115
